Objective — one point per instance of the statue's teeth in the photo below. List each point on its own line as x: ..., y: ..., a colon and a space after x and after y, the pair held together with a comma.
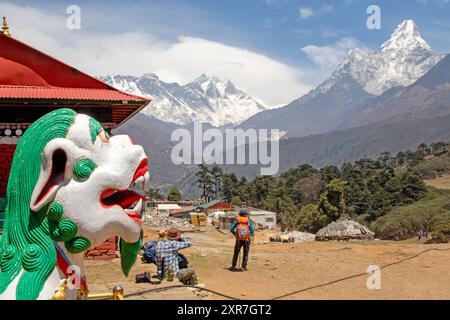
x: 147, y: 181
x: 139, y: 180
x: 137, y: 208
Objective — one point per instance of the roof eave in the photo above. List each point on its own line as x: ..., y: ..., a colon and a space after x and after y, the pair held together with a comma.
x: 146, y: 103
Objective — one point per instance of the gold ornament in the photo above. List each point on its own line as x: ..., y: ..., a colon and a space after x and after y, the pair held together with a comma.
x: 5, y: 28
x: 61, y: 294
x: 118, y: 293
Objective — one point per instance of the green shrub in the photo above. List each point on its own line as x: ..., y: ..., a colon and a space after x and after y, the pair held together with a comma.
x: 434, y: 167
x: 442, y: 233
x: 404, y: 222
x: 311, y: 219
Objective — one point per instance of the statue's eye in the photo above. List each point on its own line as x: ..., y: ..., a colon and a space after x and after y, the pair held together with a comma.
x: 104, y: 136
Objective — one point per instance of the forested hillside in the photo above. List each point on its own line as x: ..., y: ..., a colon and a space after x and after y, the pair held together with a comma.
x: 387, y: 194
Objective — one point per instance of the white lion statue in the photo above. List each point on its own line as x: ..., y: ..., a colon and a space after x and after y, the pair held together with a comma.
x: 71, y: 187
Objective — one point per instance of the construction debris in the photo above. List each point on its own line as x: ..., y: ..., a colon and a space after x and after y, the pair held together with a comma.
x: 161, y: 221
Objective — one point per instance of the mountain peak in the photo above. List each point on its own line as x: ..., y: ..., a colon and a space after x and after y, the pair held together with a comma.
x: 406, y: 37
x: 409, y: 27
x: 207, y: 99
x: 205, y: 78
x: 150, y: 75
x: 403, y: 59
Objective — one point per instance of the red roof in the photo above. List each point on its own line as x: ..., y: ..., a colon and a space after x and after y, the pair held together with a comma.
x: 178, y: 213
x: 14, y: 73
x: 58, y: 93
x: 28, y: 74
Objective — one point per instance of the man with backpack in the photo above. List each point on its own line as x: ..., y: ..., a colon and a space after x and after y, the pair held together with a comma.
x: 242, y: 229
x: 164, y: 254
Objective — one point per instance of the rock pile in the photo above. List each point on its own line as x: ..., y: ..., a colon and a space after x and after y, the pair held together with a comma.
x: 293, y: 237
x: 155, y: 220
x: 344, y: 230
x: 301, y: 236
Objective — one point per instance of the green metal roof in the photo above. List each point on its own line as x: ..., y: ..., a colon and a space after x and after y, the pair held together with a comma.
x: 210, y: 204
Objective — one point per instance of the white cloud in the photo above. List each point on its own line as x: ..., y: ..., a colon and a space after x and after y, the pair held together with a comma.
x: 181, y: 60
x: 305, y: 12
x: 277, y: 3
x: 327, y: 7
x: 330, y: 56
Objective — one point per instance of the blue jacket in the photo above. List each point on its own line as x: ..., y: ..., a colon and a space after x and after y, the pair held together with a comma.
x: 250, y: 226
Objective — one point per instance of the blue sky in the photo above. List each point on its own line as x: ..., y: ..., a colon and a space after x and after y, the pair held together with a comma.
x: 268, y: 37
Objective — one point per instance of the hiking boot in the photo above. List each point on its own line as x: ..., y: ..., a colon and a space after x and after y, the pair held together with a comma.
x: 232, y: 269
x: 244, y: 269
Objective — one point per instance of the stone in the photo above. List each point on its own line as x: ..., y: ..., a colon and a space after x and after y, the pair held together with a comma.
x: 294, y: 237
x: 344, y: 230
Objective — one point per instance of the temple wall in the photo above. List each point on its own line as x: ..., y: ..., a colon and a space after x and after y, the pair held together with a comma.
x: 6, y: 156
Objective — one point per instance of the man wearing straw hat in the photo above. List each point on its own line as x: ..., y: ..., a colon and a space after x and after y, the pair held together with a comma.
x: 166, y: 254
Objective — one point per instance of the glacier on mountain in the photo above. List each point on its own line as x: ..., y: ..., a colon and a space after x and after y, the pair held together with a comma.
x: 206, y: 99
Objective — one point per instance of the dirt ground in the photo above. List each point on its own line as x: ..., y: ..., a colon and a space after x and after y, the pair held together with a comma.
x: 277, y: 269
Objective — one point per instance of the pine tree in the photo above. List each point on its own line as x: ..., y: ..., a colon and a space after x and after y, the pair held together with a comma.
x: 216, y: 180
x: 413, y: 187
x: 230, y: 186
x: 332, y: 201
x: 330, y: 173
x: 311, y: 219
x: 174, y: 194
x: 204, y: 181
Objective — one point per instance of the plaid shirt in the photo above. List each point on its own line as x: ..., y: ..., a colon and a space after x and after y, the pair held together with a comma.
x: 168, y: 249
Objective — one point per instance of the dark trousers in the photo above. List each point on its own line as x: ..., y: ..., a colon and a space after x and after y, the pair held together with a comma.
x: 237, y: 248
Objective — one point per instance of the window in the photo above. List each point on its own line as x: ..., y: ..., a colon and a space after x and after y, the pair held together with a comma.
x: 269, y: 219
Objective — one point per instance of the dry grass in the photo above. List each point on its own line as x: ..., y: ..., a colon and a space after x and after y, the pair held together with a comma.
x: 440, y: 183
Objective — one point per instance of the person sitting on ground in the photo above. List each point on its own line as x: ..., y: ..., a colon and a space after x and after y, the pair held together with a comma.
x: 242, y: 229
x: 167, y: 256
x: 148, y: 256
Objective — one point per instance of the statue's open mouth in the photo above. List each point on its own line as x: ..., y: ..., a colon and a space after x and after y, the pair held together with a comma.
x: 130, y: 199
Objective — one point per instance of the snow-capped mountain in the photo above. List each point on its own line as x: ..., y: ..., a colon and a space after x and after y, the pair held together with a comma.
x: 207, y: 99
x: 401, y: 61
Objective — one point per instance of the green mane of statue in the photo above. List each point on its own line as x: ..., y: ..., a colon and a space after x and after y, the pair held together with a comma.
x: 26, y: 244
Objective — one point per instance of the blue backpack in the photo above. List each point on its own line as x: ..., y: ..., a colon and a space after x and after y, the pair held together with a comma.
x: 149, y: 256
x: 182, y: 261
